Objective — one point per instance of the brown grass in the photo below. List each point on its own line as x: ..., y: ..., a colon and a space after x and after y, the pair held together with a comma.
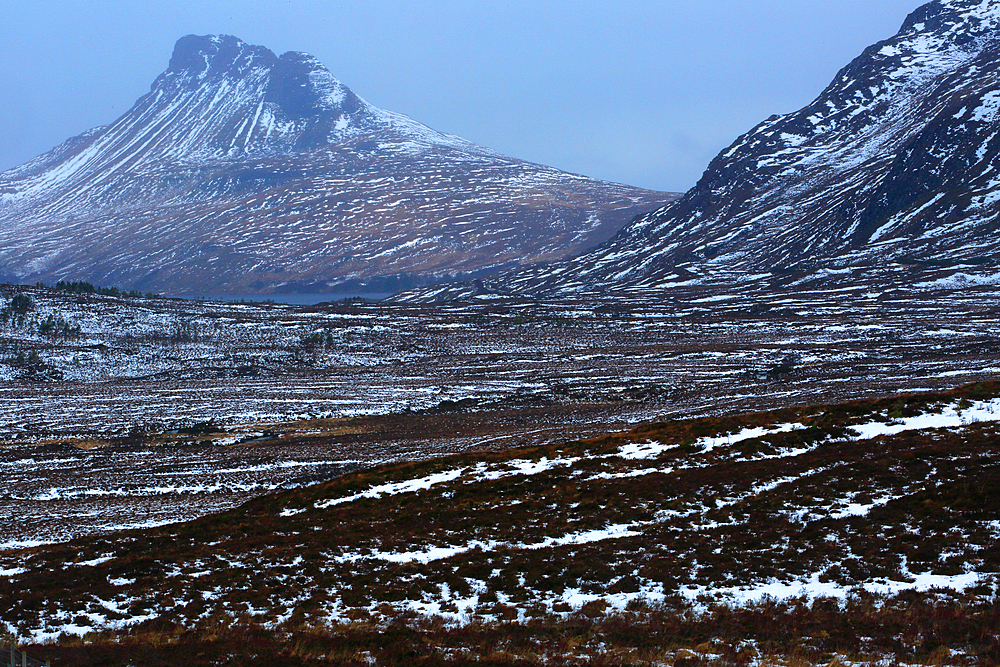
x: 942, y: 484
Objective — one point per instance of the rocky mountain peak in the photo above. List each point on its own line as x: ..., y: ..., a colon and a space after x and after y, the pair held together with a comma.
x: 295, y: 86
x: 203, y: 56
x: 961, y: 20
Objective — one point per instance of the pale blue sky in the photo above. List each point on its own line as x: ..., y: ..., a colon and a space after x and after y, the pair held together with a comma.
x: 643, y: 92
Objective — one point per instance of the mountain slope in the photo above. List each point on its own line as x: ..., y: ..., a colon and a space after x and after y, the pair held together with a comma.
x: 244, y: 171
x: 895, y: 162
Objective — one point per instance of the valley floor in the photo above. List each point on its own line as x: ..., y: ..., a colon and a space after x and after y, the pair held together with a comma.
x: 102, y: 431
x: 448, y: 475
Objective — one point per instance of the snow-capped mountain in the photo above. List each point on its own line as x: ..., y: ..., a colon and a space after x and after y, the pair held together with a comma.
x: 244, y: 171
x: 895, y: 164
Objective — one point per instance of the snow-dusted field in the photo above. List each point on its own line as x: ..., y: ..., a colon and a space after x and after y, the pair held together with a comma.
x: 871, y: 498
x: 529, y: 372
x: 163, y: 364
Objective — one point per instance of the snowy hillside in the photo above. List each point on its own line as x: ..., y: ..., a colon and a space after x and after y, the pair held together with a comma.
x: 894, y: 164
x: 242, y: 171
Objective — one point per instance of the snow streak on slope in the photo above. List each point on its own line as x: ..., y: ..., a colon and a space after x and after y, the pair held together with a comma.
x: 241, y: 170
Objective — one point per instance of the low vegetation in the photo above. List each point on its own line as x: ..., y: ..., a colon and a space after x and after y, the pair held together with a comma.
x: 867, y: 630
x: 89, y: 288
x: 852, y: 532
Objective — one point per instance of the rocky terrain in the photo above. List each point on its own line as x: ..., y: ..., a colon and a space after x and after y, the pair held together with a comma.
x: 245, y: 172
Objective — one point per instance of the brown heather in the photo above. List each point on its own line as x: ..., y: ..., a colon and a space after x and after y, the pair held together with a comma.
x: 250, y: 586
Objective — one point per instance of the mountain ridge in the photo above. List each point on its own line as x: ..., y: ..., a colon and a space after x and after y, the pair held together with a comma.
x: 243, y: 171
x: 889, y: 167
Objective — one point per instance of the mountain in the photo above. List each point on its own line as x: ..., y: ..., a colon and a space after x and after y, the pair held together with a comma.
x: 243, y: 171
x: 895, y: 164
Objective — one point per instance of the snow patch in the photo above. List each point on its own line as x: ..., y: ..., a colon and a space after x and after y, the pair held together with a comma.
x: 395, y: 488
x: 952, y: 416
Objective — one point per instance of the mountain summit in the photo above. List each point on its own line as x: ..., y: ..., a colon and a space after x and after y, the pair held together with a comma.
x: 294, y: 101
x: 895, y: 164
x: 244, y: 171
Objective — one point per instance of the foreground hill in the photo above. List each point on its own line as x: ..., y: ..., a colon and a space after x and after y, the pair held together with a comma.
x: 893, y: 165
x: 879, y: 517
x: 245, y: 172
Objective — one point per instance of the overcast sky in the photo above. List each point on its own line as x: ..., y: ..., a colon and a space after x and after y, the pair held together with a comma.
x: 643, y: 92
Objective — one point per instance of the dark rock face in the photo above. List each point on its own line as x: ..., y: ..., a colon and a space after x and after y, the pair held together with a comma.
x: 216, y: 55
x: 294, y: 91
x: 896, y: 161
x: 243, y: 171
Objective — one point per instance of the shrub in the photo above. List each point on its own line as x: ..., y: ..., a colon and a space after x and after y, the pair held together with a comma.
x: 21, y: 303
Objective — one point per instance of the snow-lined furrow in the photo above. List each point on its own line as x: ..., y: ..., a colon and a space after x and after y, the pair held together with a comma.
x: 951, y: 416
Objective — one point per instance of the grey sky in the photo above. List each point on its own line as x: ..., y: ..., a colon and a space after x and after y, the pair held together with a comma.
x: 635, y: 91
